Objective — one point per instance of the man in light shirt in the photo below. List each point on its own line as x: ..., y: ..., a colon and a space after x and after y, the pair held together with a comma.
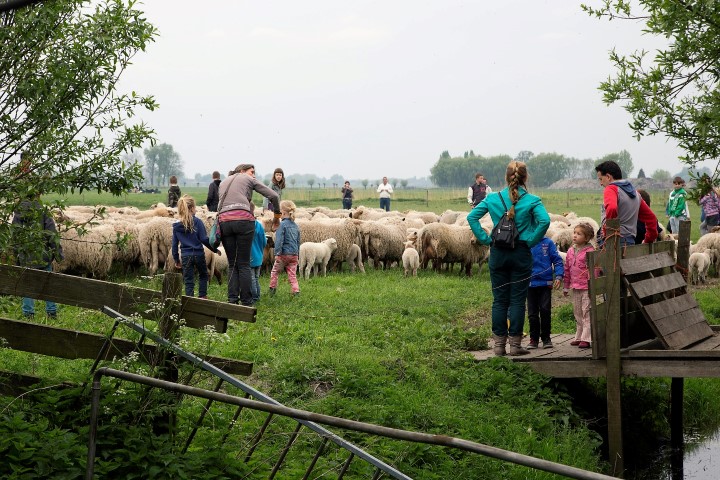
x: 385, y: 190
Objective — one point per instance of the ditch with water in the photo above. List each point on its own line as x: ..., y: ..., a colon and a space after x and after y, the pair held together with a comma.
x: 699, y: 461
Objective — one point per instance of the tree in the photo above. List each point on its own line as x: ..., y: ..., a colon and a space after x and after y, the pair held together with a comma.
x: 364, y: 183
x: 60, y: 63
x: 311, y: 182
x: 641, y: 173
x: 525, y: 155
x: 548, y: 168
x: 675, y: 92
x: 661, y: 175
x: 162, y: 161
x: 292, y: 181
x: 404, y: 183
x: 623, y: 159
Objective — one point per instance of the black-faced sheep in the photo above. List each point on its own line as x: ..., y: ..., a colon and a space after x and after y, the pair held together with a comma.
x: 314, y: 255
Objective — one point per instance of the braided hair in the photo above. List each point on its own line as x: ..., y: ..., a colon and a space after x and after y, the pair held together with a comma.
x: 516, y: 176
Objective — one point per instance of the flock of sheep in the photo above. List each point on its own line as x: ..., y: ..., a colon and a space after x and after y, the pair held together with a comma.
x: 330, y: 238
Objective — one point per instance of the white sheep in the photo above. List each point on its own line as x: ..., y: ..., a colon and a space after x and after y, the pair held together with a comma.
x: 410, y: 259
x: 313, y: 255
x: 354, y: 259
x: 699, y: 263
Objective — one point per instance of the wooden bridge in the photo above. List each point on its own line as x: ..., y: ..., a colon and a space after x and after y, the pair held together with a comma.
x: 644, y: 324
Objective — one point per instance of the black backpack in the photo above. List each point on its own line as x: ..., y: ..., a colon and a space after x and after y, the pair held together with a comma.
x: 505, y: 234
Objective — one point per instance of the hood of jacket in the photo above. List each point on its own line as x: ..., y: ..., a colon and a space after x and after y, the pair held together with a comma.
x: 626, y: 187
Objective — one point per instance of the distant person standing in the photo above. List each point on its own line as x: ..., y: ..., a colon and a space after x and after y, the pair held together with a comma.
x: 277, y: 185
x: 710, y: 205
x: 213, y: 197
x: 478, y: 190
x: 347, y: 195
x: 174, y: 193
x: 677, y: 206
x: 40, y: 257
x: 385, y: 190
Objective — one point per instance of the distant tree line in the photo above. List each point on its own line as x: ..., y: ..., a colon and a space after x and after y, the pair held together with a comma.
x: 545, y: 168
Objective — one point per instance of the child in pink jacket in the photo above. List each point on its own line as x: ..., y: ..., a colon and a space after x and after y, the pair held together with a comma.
x: 577, y: 278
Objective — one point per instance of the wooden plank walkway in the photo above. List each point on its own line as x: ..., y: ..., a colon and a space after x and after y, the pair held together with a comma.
x: 701, y: 360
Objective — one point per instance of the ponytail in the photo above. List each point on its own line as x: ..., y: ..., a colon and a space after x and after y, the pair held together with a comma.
x: 185, y: 204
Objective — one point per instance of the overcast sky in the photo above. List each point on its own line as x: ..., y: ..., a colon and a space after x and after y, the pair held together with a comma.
x: 371, y: 88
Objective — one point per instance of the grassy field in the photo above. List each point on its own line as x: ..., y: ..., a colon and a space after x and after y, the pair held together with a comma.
x: 393, y: 351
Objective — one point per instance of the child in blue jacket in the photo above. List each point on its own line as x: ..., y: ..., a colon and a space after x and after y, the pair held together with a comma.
x: 256, y: 259
x: 189, y: 236
x: 547, y: 273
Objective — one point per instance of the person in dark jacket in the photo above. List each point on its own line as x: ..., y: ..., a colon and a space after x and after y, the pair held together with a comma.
x: 213, y: 197
x: 547, y: 273
x: 174, y: 192
x: 30, y: 215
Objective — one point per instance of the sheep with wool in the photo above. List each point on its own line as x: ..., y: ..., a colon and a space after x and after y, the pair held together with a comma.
x: 699, y: 263
x: 314, y: 255
x: 343, y: 230
x: 450, y: 244
x: 354, y: 259
x: 410, y: 259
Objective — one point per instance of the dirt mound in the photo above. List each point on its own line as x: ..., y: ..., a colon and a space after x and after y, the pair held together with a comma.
x: 593, y: 184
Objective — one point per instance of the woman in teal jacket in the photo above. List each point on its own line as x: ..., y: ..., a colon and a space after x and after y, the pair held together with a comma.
x: 511, y: 269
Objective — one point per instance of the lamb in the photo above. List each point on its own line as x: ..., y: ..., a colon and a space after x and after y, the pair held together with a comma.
x: 354, y: 259
x: 699, y: 264
x: 343, y: 230
x: 410, y: 259
x: 313, y: 255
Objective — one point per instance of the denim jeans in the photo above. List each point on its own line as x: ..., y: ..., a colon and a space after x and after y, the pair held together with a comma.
x: 385, y: 204
x: 255, y: 283
x: 347, y: 203
x: 510, y: 272
x: 237, y: 237
x: 28, y: 304
x: 189, y: 263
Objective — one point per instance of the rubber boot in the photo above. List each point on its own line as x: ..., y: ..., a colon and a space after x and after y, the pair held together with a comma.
x: 515, y: 347
x: 499, y: 348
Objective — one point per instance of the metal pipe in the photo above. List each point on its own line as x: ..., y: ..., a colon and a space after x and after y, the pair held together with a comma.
x: 431, y: 439
x: 285, y: 450
x: 93, y: 427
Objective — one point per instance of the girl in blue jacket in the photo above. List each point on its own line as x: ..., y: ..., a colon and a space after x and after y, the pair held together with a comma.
x: 189, y: 236
x: 511, y: 269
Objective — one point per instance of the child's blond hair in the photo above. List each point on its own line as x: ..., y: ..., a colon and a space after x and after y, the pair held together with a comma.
x: 185, y: 205
x: 288, y: 206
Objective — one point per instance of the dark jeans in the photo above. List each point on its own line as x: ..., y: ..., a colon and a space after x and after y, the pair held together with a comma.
x: 510, y: 272
x: 712, y: 221
x: 189, y: 264
x: 385, y: 204
x: 347, y: 203
x: 237, y: 237
x: 538, y: 306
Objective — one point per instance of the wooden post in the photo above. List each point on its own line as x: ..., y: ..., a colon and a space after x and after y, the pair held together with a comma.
x: 677, y: 384
x: 167, y: 326
x: 612, y: 347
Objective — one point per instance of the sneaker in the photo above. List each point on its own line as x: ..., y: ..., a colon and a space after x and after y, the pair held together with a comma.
x: 272, y: 291
x: 296, y: 294
x: 52, y: 316
x: 29, y: 316
x: 204, y: 297
x: 532, y: 345
x: 584, y: 345
x: 547, y: 343
x: 575, y: 343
